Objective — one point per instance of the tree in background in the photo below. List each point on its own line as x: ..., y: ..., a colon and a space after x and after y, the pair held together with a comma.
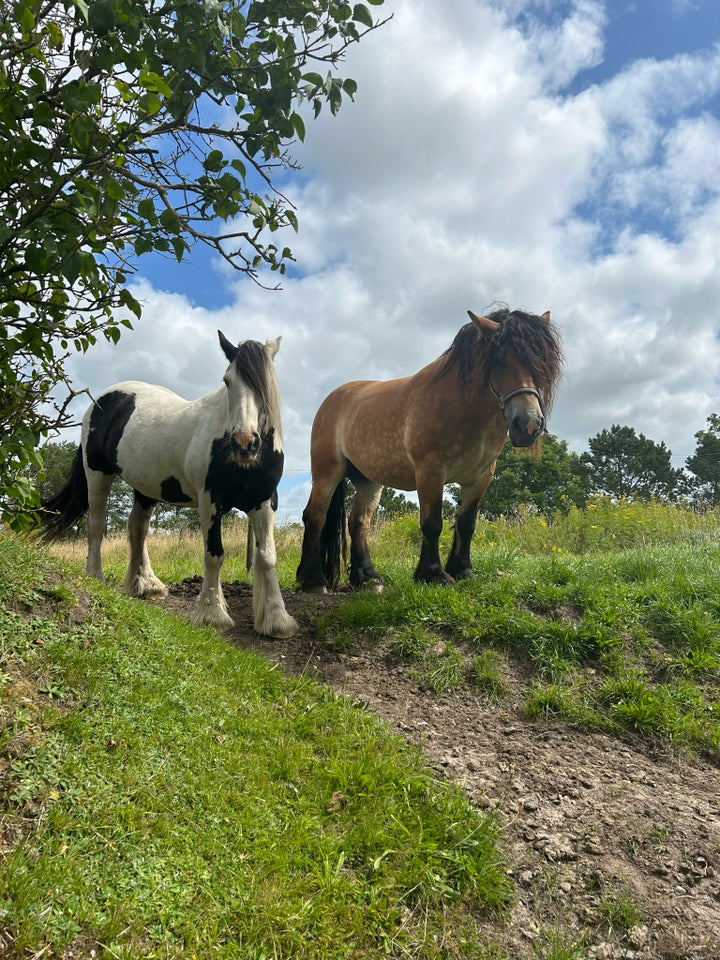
x: 624, y: 464
x: 549, y: 477
x: 704, y: 464
x: 128, y: 127
x: 394, y: 504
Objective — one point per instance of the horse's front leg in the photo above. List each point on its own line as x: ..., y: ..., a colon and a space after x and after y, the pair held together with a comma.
x: 458, y: 563
x: 210, y: 606
x: 430, y: 491
x: 270, y: 616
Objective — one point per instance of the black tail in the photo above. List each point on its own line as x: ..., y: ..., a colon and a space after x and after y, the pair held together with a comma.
x: 333, y: 539
x: 60, y: 512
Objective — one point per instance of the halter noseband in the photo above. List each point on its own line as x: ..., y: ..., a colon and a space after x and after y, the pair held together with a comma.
x: 513, y: 393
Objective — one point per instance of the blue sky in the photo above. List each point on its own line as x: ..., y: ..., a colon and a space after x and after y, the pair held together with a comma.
x: 550, y: 155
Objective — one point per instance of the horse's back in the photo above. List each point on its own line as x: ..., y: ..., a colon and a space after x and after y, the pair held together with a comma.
x: 142, y: 431
x: 363, y: 422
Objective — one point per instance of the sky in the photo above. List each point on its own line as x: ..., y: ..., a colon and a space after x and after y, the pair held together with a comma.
x: 558, y: 155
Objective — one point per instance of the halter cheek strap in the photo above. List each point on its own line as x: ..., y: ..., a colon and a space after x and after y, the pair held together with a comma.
x: 513, y: 393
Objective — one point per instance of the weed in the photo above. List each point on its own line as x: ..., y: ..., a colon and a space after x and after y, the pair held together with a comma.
x: 620, y: 912
x: 557, y: 944
x: 443, y: 671
x: 486, y: 675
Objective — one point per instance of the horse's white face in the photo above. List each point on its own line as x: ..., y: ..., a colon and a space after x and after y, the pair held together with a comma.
x: 248, y: 390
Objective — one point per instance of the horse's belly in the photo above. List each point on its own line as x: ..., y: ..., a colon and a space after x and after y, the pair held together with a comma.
x: 382, y: 461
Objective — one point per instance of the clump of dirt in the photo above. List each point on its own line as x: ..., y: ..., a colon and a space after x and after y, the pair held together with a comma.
x: 605, y: 839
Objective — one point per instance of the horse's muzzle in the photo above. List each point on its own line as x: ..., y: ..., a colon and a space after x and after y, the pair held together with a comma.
x: 524, y: 429
x: 244, y: 447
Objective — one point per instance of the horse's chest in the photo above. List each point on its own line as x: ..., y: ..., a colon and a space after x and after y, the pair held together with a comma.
x: 243, y: 488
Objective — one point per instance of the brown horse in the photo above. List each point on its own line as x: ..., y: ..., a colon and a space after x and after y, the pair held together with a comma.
x: 445, y: 424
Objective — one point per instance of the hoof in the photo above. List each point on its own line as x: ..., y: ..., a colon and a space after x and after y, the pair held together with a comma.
x: 317, y: 591
x: 146, y: 589
x: 280, y: 627
x: 372, y: 586
x: 206, y: 614
x: 438, y: 578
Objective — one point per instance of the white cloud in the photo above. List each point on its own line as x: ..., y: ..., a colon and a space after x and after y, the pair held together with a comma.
x: 462, y: 176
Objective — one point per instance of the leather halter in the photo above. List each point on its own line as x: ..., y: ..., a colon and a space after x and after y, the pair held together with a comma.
x: 513, y: 393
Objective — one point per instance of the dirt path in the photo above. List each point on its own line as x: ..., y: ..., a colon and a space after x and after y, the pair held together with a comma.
x: 594, y: 828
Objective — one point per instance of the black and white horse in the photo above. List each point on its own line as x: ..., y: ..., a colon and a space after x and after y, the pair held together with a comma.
x: 217, y: 453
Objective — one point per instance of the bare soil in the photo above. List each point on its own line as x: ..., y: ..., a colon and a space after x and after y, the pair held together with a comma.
x: 594, y: 828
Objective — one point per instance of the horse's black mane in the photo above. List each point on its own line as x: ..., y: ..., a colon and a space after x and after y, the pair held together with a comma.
x: 535, y: 341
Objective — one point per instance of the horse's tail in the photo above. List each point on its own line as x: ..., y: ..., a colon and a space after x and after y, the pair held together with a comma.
x: 249, y: 546
x: 333, y: 538
x: 59, y: 513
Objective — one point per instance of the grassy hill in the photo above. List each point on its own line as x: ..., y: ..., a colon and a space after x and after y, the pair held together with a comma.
x: 165, y: 793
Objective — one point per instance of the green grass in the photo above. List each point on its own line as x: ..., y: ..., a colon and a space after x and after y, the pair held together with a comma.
x: 619, y: 632
x: 171, y: 795
x: 612, y: 610
x: 170, y: 791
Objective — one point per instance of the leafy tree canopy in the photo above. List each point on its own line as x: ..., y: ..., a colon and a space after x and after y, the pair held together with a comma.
x: 549, y: 477
x: 393, y: 503
x: 130, y: 126
x: 622, y: 463
x: 704, y: 464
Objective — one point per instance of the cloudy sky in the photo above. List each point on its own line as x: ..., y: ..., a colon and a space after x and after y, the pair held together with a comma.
x: 551, y: 155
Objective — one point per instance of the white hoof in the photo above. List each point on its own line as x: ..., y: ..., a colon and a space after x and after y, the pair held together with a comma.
x: 211, y: 615
x: 146, y: 588
x: 277, y: 624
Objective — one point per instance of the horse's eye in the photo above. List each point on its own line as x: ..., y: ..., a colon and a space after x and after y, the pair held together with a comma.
x: 226, y: 380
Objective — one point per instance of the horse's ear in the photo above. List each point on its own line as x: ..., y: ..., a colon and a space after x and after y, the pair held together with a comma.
x: 272, y: 346
x: 229, y: 349
x: 484, y: 324
x: 546, y: 316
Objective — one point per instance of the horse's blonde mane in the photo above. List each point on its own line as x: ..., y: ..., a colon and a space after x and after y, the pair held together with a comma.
x: 254, y: 362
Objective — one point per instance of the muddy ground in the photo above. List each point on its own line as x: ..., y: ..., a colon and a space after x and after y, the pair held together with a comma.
x: 595, y: 829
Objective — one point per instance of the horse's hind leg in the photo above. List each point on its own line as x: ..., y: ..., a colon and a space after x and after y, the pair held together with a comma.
x: 310, y: 575
x: 140, y: 580
x: 98, y: 492
x: 270, y: 616
x: 367, y: 497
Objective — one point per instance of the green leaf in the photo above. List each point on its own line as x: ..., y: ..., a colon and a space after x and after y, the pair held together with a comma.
x: 83, y: 8
x: 298, y: 124
x: 170, y: 221
x: 146, y: 210
x: 214, y: 161
x: 101, y: 16
x: 314, y: 78
x: 363, y: 15
x: 180, y: 247
x: 36, y: 260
